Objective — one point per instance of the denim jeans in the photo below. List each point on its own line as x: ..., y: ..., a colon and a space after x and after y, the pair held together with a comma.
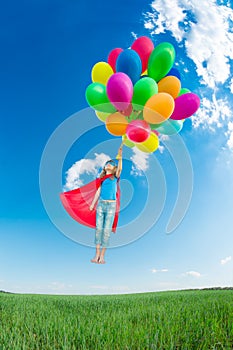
x: 105, y: 214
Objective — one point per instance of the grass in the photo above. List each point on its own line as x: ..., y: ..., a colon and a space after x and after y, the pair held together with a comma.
x: 163, y: 320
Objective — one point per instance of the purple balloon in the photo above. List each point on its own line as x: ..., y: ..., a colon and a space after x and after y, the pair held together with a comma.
x: 120, y: 90
x: 185, y: 106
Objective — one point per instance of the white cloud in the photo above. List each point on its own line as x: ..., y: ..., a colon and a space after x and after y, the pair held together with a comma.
x: 161, y: 149
x: 193, y: 274
x: 81, y: 167
x: 57, y: 286
x: 92, y: 167
x: 213, y: 114
x: 203, y: 28
x: 229, y: 134
x: 110, y: 289
x: 231, y: 85
x: 140, y: 162
x: 162, y: 270
x: 226, y: 260
x: 202, y: 22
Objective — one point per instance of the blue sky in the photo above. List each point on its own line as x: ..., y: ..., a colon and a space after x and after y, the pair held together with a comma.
x: 48, y: 50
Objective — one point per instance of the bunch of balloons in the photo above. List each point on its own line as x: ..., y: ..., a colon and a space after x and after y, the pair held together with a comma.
x: 137, y: 93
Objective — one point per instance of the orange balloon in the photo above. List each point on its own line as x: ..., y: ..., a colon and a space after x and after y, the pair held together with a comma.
x: 116, y: 124
x: 158, y: 108
x: 170, y: 84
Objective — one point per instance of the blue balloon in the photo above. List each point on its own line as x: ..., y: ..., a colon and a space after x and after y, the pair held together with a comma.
x: 174, y: 72
x: 129, y: 63
x: 169, y: 127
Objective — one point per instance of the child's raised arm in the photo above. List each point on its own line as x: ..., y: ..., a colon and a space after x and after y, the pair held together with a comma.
x: 119, y: 156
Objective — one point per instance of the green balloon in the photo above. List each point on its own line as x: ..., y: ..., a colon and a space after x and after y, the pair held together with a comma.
x: 155, y: 126
x: 161, y: 60
x: 135, y: 115
x: 183, y: 91
x: 142, y: 91
x: 97, y: 98
x: 127, y: 142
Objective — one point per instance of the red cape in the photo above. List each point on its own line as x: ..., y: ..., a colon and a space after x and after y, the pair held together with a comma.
x: 78, y: 201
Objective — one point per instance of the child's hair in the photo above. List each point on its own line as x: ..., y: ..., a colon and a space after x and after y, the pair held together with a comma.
x: 103, y: 172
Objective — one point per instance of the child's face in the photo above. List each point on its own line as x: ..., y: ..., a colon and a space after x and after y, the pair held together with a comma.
x: 109, y: 166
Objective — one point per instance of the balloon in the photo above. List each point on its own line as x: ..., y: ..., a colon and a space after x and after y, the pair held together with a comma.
x: 161, y: 60
x: 120, y: 90
x: 155, y: 132
x: 138, y: 130
x: 183, y: 91
x: 155, y: 126
x: 158, y: 108
x: 112, y: 57
x: 97, y: 98
x: 185, y: 106
x: 101, y: 116
x: 144, y: 74
x: 170, y: 84
x: 101, y: 72
x: 150, y: 145
x: 129, y: 63
x: 116, y: 124
x: 127, y: 142
x: 128, y: 111
x: 142, y: 91
x: 174, y: 72
x: 143, y: 46
x: 170, y: 127
x: 135, y: 115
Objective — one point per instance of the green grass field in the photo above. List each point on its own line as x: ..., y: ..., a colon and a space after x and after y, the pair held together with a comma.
x: 199, y: 319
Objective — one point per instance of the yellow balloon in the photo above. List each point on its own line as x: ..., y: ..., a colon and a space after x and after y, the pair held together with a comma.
x: 102, y: 116
x: 158, y: 108
x: 150, y: 145
x: 116, y: 124
x: 101, y: 72
x: 145, y: 73
x: 127, y: 142
x: 170, y: 84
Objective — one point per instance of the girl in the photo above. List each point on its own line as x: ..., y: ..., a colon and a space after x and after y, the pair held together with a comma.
x: 106, y: 208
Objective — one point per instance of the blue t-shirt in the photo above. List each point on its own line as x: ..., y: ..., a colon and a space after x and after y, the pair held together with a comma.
x: 108, y: 189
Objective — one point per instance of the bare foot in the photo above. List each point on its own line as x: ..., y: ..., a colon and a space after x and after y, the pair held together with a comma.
x: 95, y: 260
x: 101, y: 260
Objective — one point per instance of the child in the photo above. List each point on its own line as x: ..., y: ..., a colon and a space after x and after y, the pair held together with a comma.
x: 106, y: 208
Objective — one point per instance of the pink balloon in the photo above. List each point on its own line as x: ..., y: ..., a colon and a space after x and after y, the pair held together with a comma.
x: 128, y: 111
x: 143, y: 46
x: 112, y: 57
x: 138, y: 131
x: 185, y: 106
x: 120, y: 90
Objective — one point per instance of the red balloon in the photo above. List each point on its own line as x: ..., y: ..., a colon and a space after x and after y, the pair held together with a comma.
x: 138, y: 131
x: 143, y: 46
x: 112, y: 57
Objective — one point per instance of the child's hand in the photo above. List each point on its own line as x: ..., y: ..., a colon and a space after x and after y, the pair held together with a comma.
x: 91, y: 207
x: 120, y: 152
